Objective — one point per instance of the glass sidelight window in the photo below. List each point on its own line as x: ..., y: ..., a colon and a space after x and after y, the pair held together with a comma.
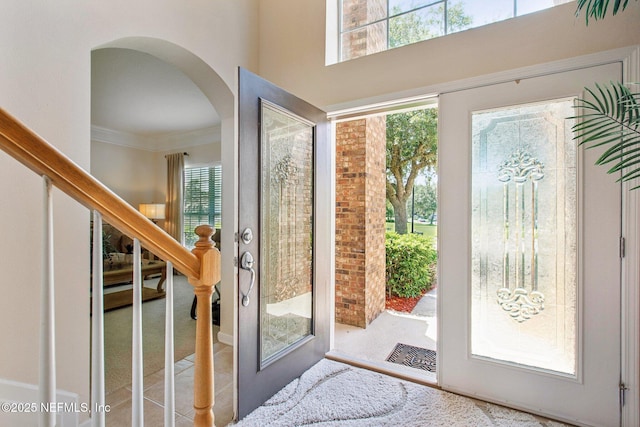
x: 524, y: 236
x: 286, y: 276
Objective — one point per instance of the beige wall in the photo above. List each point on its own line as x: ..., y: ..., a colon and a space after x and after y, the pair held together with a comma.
x: 199, y: 155
x: 140, y: 176
x: 45, y: 82
x: 130, y: 173
x: 292, y: 51
x: 202, y: 155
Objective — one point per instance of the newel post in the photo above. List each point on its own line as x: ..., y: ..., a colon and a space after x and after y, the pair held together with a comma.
x: 203, y: 391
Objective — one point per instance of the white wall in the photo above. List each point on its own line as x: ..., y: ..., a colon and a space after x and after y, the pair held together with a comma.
x: 45, y: 82
x: 292, y: 40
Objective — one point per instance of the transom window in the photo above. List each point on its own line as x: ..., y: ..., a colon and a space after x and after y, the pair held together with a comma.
x: 370, y: 26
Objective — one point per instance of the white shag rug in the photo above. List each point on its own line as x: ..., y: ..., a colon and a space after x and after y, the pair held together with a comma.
x: 336, y: 394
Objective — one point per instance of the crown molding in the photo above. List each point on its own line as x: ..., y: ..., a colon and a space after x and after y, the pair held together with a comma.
x: 157, y: 142
x: 115, y: 137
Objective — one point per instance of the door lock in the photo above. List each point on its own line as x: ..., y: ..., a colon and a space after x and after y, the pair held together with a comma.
x: 246, y: 263
x: 247, y: 236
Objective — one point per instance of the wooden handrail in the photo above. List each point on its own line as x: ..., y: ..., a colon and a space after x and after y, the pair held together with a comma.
x: 202, y: 266
x: 44, y: 159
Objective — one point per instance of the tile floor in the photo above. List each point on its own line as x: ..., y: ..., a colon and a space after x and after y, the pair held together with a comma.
x: 374, y: 343
x: 120, y: 400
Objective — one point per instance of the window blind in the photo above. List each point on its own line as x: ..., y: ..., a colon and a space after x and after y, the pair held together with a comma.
x: 202, y: 200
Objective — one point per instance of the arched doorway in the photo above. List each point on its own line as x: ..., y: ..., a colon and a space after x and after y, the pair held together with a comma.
x: 214, y: 89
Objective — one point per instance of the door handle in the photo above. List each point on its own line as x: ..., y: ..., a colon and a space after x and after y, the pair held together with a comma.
x: 246, y: 263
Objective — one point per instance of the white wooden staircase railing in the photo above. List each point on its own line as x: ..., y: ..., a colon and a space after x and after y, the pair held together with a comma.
x: 201, y: 266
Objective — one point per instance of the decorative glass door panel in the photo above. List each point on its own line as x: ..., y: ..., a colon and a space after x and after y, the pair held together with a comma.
x: 523, y: 274
x: 286, y: 276
x: 284, y: 239
x: 529, y: 235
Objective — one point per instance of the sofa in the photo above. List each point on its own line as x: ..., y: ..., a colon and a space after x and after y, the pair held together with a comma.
x: 118, y: 259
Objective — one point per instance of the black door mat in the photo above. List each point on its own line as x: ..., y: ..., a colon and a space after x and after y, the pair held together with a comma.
x: 414, y: 357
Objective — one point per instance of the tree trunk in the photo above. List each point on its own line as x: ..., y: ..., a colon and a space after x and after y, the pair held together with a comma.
x: 400, y: 214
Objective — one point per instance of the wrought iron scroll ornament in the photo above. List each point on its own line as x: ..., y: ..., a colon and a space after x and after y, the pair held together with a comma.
x: 521, y: 303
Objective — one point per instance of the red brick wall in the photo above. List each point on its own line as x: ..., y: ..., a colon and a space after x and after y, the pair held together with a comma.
x: 360, y: 220
x: 375, y: 200
x: 368, y: 39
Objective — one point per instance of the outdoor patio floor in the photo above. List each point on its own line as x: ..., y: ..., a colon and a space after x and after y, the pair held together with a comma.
x: 373, y: 344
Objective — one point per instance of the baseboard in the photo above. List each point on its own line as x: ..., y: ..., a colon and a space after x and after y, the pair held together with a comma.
x: 225, y: 338
x: 24, y: 396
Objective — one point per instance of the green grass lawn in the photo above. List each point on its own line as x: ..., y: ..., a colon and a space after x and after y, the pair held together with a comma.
x: 426, y: 229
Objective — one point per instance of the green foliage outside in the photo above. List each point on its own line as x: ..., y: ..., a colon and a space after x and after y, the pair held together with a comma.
x: 412, y: 144
x: 412, y: 137
x: 425, y: 201
x: 411, y: 261
x: 423, y: 229
x: 414, y: 27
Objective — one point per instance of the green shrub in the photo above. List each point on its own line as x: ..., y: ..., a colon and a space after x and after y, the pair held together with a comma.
x: 411, y: 261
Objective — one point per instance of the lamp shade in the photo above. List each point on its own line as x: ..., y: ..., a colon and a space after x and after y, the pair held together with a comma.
x: 152, y: 210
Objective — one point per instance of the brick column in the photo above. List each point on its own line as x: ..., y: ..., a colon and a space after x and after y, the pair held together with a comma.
x: 361, y: 39
x: 360, y: 220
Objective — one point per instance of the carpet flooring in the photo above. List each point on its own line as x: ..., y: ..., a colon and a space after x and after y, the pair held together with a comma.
x: 124, y: 298
x: 118, y: 332
x: 333, y: 394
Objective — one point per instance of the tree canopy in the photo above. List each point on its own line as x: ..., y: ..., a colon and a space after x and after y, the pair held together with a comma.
x: 412, y: 137
x: 426, y: 201
x: 413, y: 27
x: 412, y: 144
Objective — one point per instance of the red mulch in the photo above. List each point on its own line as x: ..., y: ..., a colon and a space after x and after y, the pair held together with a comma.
x: 405, y: 305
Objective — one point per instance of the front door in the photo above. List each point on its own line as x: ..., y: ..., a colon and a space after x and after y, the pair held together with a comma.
x: 284, y: 239
x: 529, y: 244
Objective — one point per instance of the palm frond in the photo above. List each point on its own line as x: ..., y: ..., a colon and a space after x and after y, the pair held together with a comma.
x: 597, y: 9
x: 630, y: 159
x: 609, y: 116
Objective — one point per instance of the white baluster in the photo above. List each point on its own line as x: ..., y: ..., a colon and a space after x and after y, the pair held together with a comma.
x: 97, y: 327
x: 169, y: 383
x: 137, y: 397
x: 47, y: 380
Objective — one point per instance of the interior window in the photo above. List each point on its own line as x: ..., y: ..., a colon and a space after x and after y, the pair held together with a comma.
x: 202, y: 200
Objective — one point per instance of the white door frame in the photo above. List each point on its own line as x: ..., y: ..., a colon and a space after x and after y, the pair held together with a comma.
x: 631, y: 275
x: 630, y: 58
x: 630, y: 316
